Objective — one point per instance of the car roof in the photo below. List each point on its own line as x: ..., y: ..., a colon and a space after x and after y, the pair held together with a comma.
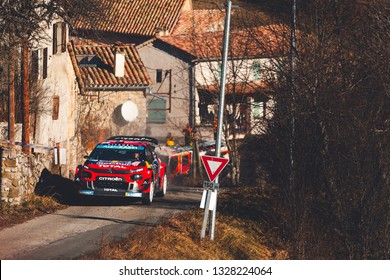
x: 147, y: 139
x: 124, y: 142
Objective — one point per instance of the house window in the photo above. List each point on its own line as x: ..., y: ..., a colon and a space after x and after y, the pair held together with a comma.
x: 158, y: 75
x: 38, y: 64
x: 242, y: 119
x: 206, y: 107
x: 56, y: 107
x: 259, y: 110
x: 59, y: 37
x: 256, y: 70
x: 157, y: 111
x: 44, y: 63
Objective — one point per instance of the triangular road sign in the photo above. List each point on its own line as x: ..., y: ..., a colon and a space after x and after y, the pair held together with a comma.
x: 214, y: 165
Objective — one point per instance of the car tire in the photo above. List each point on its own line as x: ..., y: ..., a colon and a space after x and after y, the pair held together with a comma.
x: 147, y: 200
x: 163, y: 186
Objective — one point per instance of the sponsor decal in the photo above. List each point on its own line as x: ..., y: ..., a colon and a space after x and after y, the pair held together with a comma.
x: 86, y: 192
x: 133, y: 194
x: 112, y: 166
x: 111, y: 179
x: 120, y: 146
x: 110, y: 190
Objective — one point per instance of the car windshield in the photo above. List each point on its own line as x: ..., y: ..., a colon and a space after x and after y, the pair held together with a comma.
x: 111, y: 152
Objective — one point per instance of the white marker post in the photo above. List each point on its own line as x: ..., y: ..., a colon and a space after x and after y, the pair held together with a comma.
x: 213, y: 166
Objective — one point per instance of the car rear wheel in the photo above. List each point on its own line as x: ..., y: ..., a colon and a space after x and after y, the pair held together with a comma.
x: 147, y: 200
x: 164, y: 184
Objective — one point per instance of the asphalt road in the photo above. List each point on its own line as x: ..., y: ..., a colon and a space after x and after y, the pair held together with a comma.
x: 79, y: 229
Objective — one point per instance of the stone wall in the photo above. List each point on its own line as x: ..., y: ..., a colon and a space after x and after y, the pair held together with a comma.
x: 20, y: 172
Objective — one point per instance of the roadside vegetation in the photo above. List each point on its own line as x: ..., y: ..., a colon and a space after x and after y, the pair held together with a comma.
x: 32, y: 207
x: 245, y: 230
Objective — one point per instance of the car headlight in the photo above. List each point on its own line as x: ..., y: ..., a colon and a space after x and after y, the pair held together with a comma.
x: 136, y: 177
x: 86, y: 175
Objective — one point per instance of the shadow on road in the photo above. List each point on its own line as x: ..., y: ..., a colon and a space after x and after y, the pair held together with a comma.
x: 117, y: 221
x: 65, y: 191
x: 52, y: 185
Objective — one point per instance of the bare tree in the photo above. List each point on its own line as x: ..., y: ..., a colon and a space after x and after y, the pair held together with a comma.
x: 255, y: 53
x: 339, y: 204
x: 23, y: 24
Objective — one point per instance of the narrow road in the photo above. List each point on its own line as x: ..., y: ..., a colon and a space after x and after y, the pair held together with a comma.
x: 77, y: 230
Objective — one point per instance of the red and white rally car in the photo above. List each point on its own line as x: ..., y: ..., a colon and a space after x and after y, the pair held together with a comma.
x: 123, y: 166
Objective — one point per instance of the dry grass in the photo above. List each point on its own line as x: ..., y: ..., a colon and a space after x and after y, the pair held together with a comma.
x: 34, y: 206
x: 179, y: 238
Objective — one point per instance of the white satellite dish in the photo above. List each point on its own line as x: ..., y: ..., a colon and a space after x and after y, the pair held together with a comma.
x: 129, y: 111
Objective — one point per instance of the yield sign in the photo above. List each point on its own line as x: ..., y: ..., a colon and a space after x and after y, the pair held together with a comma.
x: 214, y: 165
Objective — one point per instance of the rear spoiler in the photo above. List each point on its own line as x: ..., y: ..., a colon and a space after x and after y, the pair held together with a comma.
x: 135, y: 138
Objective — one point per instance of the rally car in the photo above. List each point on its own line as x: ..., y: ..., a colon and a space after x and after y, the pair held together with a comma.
x: 123, y: 166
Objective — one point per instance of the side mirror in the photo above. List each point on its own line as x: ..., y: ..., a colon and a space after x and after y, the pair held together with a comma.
x: 86, y: 157
x: 153, y: 167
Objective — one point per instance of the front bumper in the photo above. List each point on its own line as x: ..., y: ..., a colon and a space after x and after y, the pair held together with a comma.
x: 122, y: 189
x: 111, y: 193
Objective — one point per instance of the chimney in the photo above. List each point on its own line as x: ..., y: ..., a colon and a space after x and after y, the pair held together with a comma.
x: 163, y: 33
x: 119, y: 67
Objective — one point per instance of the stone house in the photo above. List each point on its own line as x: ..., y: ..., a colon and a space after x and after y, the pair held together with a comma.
x: 167, y: 108
x: 113, y: 84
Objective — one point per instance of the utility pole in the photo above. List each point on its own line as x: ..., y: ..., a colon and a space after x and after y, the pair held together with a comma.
x: 26, y: 97
x: 11, y: 92
x: 293, y: 55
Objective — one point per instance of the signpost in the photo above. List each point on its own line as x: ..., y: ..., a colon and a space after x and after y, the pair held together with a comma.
x: 213, y: 166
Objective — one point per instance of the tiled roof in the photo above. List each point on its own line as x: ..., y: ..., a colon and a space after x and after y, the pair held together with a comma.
x: 265, y: 41
x: 135, y: 17
x: 94, y: 67
x: 199, y: 21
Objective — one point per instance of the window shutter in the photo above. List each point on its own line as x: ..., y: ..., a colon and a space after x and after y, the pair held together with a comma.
x: 157, y: 111
x: 63, y: 37
x: 256, y: 70
x: 56, y: 107
x: 44, y: 63
x: 55, y: 38
x: 219, y: 71
x: 34, y: 65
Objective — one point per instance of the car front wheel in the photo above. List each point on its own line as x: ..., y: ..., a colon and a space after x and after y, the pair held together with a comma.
x: 147, y: 200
